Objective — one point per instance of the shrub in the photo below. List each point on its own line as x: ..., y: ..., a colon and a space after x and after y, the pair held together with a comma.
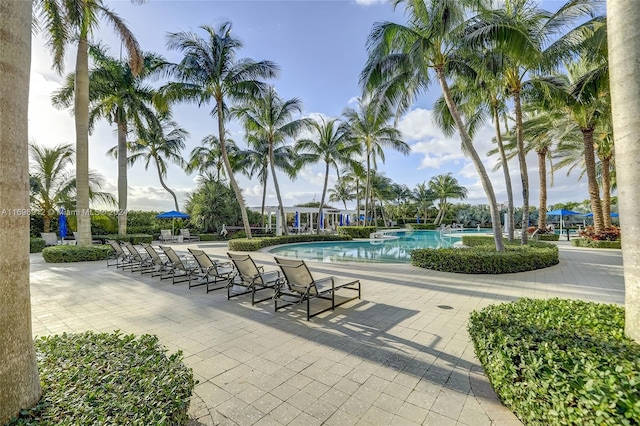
x: 424, y: 226
x: 64, y: 254
x: 255, y: 244
x: 556, y: 361
x: 356, y: 231
x: 36, y: 245
x: 211, y: 237
x: 484, y: 259
x: 131, y: 238
x: 586, y: 242
x: 548, y: 237
x: 109, y: 379
x: 610, y: 234
x: 478, y: 240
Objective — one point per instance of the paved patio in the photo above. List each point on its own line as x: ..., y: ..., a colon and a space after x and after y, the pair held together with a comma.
x: 400, y: 356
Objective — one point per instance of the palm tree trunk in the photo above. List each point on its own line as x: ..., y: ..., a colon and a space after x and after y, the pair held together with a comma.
x: 542, y: 174
x: 283, y: 215
x: 122, y: 178
x: 606, y: 192
x: 592, y: 182
x: 507, y: 176
x: 164, y: 185
x: 623, y: 19
x: 264, y: 201
x: 227, y: 166
x: 524, y: 174
x: 475, y: 158
x: 358, y: 199
x: 19, y: 381
x: 324, y: 191
x: 81, y: 109
x: 368, y: 188
x: 46, y: 219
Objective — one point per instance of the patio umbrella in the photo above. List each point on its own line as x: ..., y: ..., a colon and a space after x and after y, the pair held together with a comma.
x: 173, y: 215
x: 322, y: 220
x: 296, y: 221
x: 562, y: 213
x: 341, y: 220
x: 62, y: 223
x: 348, y: 220
x: 591, y: 215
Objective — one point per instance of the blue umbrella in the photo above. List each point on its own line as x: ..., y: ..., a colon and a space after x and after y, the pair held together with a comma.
x: 62, y: 223
x: 348, y: 220
x: 321, y: 220
x: 341, y: 219
x: 296, y: 220
x: 562, y: 213
x: 591, y: 215
x: 418, y: 219
x: 173, y: 215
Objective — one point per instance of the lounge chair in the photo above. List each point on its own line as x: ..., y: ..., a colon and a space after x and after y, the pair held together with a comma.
x: 300, y: 287
x: 210, y: 271
x: 160, y: 264
x: 141, y: 262
x: 50, y: 238
x: 179, y: 269
x: 122, y: 259
x: 250, y: 278
x: 186, y: 235
x: 166, y: 236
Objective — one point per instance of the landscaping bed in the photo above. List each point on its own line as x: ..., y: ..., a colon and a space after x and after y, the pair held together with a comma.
x: 560, y: 362
x: 90, y: 379
x: 64, y: 254
x: 254, y: 244
x: 587, y: 242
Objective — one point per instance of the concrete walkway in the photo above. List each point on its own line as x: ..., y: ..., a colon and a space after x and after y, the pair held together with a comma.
x: 399, y: 356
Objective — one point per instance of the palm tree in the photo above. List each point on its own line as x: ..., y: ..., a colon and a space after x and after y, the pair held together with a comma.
x: 19, y: 380
x: 210, y: 73
x: 269, y: 118
x: 355, y: 178
x: 369, y: 125
x: 66, y: 22
x: 160, y: 144
x: 423, y: 197
x: 207, y: 161
x: 445, y: 187
x: 624, y: 59
x: 334, y: 147
x: 341, y: 192
x: 53, y: 184
x: 119, y: 96
x: 400, y: 58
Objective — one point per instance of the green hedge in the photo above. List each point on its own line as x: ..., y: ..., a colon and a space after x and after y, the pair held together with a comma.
x: 36, y: 245
x: 423, y: 226
x: 131, y: 238
x: 64, y: 254
x: 587, y: 242
x: 211, y: 237
x: 560, y: 362
x: 547, y: 237
x: 91, y: 379
x: 356, y: 231
x: 484, y: 259
x: 255, y: 244
x: 479, y: 240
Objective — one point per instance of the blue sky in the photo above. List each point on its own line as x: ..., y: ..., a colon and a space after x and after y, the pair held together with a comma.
x: 320, y: 48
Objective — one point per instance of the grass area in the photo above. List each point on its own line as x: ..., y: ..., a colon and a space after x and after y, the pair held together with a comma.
x: 560, y: 362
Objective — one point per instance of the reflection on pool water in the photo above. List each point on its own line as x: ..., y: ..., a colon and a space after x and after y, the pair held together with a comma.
x: 393, y: 250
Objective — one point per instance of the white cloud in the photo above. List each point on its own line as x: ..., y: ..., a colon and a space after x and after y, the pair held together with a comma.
x: 369, y: 2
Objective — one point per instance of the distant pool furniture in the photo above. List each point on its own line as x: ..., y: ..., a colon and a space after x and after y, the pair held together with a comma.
x: 50, y: 238
x: 166, y: 236
x: 186, y: 236
x: 301, y: 287
x: 250, y: 278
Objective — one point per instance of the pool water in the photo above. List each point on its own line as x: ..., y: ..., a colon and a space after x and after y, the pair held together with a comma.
x: 393, y: 250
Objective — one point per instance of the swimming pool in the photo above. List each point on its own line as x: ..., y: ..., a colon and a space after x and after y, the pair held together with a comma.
x: 379, y: 251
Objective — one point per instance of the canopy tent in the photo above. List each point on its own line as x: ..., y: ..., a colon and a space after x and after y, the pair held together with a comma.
x: 591, y: 214
x: 173, y: 215
x: 562, y: 213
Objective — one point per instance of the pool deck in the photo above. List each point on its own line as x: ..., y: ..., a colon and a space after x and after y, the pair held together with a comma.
x: 401, y: 355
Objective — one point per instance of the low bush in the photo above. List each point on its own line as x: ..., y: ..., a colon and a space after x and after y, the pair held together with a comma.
x: 255, y: 244
x: 109, y: 379
x: 131, y: 238
x: 586, y: 242
x: 484, y: 259
x: 64, y: 254
x: 560, y: 362
x: 36, y: 245
x: 547, y: 237
x: 423, y: 226
x: 356, y: 231
x: 211, y: 237
x: 610, y: 234
x: 478, y: 240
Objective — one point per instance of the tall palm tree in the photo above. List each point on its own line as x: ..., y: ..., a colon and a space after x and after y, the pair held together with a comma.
x: 341, y: 192
x: 269, y: 118
x: 160, y: 145
x: 355, y: 178
x: 207, y: 161
x: 369, y: 124
x: 211, y: 73
x: 19, y: 380
x: 445, y: 187
x: 423, y: 197
x: 333, y: 146
x: 400, y: 57
x: 119, y: 96
x: 71, y: 21
x: 624, y: 59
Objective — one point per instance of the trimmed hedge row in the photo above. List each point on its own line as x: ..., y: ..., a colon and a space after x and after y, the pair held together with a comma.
x: 587, y: 242
x: 478, y: 240
x: 357, y: 231
x: 255, y: 244
x: 548, y: 237
x: 423, y: 226
x: 211, y: 237
x: 65, y: 254
x: 36, y: 245
x: 484, y: 259
x: 131, y: 238
x: 109, y: 379
x: 560, y: 362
